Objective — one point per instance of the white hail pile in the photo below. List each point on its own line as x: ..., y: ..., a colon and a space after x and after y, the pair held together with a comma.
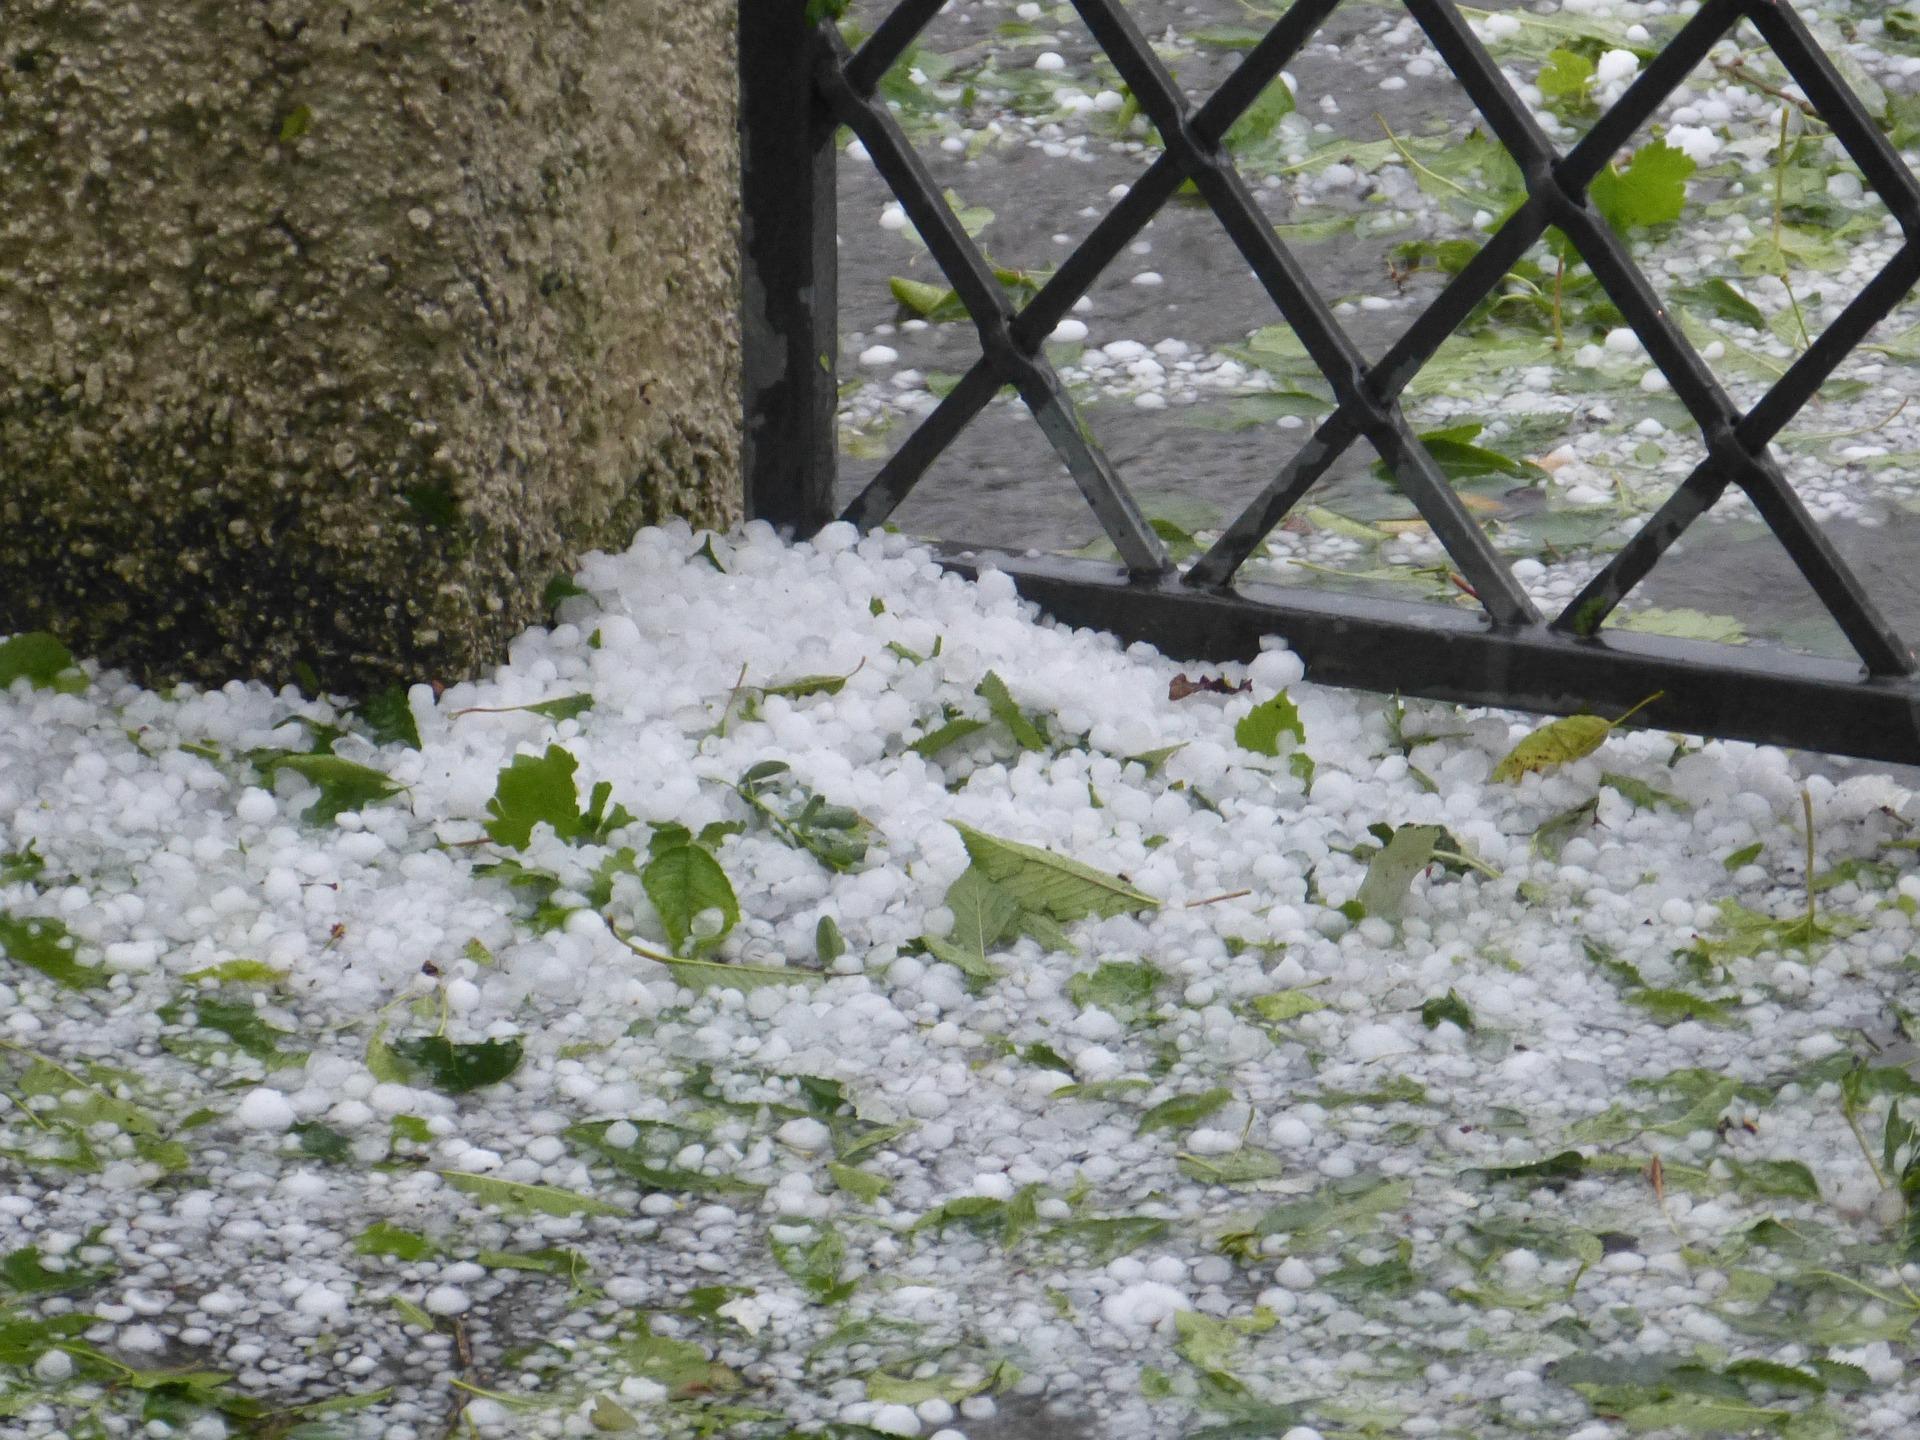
x: 246, y: 1253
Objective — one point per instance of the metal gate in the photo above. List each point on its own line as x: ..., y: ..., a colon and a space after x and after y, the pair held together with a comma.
x: 800, y: 83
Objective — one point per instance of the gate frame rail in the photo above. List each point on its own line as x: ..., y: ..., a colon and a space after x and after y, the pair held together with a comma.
x: 800, y: 84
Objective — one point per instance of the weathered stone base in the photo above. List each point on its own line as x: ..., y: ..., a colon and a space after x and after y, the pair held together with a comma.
x: 330, y: 332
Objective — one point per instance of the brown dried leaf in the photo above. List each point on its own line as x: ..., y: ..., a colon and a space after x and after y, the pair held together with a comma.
x: 1181, y: 686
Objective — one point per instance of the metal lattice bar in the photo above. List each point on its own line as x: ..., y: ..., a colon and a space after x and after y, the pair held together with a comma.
x: 973, y: 281
x: 1116, y: 229
x: 888, y: 43
x: 1287, y: 284
x: 798, y: 81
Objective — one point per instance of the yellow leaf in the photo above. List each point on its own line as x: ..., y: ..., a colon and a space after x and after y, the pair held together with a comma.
x: 609, y: 1416
x: 1561, y: 741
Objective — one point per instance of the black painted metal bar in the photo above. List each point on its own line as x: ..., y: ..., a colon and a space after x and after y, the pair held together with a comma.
x: 1761, y: 694
x: 789, y: 270
x: 1601, y: 595
x: 1077, y: 274
x: 1386, y: 380
x: 1840, y: 108
x: 797, y: 80
x: 1281, y: 275
x: 889, y: 41
x: 986, y: 302
x: 1866, y: 629
x: 924, y: 444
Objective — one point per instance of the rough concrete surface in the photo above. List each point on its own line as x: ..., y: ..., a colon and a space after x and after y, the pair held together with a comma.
x: 330, y: 330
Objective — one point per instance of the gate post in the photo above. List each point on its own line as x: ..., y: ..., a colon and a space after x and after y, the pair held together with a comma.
x: 789, y: 271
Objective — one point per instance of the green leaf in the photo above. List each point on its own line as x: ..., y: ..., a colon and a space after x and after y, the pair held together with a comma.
x: 1390, y: 1277
x: 557, y: 1260
x: 241, y: 1024
x: 1260, y: 728
x: 564, y: 707
x: 1745, y: 855
x: 42, y: 661
x: 1566, y: 76
x: 734, y: 975
x: 382, y: 1063
x: 1390, y: 873
x: 951, y: 733
x: 343, y: 785
x: 457, y: 1068
x: 46, y: 946
x: 1552, y: 836
x: 808, y: 685
x: 983, y: 916
x: 1787, y: 1178
x: 516, y: 1198
x: 1049, y: 884
x: 1285, y: 1005
x: 1643, y: 795
x: 1122, y: 988
x: 388, y: 715
x: 23, y: 864
x: 407, y: 1127
x: 1260, y: 119
x: 861, y: 1184
x: 1898, y: 1133
x: 1444, y: 1008
x: 1248, y: 1165
x: 833, y: 834
x: 25, y: 1272
x: 1780, y: 1377
x: 1346, y: 1206
x: 1683, y: 624
x: 295, y: 124
x: 1212, y: 1343
x: 607, y: 1414
x: 381, y: 1238
x: 1554, y: 1170
x: 560, y: 586
x: 414, y: 1315
x: 1460, y: 459
x: 828, y: 943
x: 238, y: 972
x: 683, y: 882
x: 1651, y: 190
x: 532, y: 790
x: 1717, y: 297
x: 1560, y: 742
x: 1670, y: 1006
x: 1110, y: 1236
x: 815, y: 1261
x: 634, y: 1163
x: 1700, y: 1415
x: 1027, y: 734
x: 1103, y: 1090
x: 1182, y: 1112
x: 935, y: 303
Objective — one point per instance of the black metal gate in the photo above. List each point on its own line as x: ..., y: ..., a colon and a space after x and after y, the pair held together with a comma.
x: 800, y: 83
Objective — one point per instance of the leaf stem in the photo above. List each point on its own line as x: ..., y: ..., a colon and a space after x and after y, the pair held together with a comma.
x: 1866, y: 1150
x: 1621, y: 720
x: 1559, y: 291
x: 1780, y: 184
x: 1435, y: 176
x: 1216, y: 899
x: 1806, y: 809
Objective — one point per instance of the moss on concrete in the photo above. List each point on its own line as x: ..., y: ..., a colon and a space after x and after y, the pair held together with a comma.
x: 329, y: 332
